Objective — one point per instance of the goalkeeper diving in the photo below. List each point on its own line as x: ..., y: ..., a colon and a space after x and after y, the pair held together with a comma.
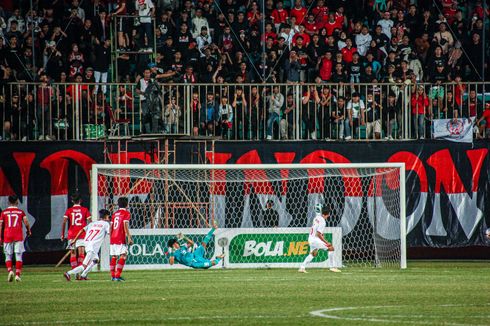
x: 185, y: 255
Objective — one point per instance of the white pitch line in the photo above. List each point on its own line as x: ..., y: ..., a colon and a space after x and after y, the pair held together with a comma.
x: 189, y: 318
x: 77, y: 281
x: 322, y: 313
x: 429, y: 317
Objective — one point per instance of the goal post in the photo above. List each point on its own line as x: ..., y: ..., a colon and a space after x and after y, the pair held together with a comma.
x: 263, y: 211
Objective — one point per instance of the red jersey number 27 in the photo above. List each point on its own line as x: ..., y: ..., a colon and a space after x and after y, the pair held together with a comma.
x: 92, y: 234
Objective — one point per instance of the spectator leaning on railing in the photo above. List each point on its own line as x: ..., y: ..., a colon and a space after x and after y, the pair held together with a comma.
x: 420, y: 108
x: 483, y: 123
x: 276, y: 101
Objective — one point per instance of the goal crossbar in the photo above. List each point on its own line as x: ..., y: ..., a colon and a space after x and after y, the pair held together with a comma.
x: 249, y: 166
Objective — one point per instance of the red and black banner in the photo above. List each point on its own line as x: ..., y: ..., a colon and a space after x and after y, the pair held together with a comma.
x: 448, y: 184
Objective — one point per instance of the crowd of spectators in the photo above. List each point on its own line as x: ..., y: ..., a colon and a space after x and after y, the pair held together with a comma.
x: 237, y: 41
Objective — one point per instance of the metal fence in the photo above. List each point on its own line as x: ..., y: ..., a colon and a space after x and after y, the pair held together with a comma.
x: 81, y: 111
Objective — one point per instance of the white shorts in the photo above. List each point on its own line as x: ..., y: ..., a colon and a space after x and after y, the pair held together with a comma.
x: 10, y: 247
x: 90, y: 256
x: 78, y: 243
x: 91, y: 246
x: 317, y: 244
x: 118, y: 249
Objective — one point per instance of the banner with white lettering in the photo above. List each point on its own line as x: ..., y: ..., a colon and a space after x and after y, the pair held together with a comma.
x: 458, y: 130
x: 448, y: 184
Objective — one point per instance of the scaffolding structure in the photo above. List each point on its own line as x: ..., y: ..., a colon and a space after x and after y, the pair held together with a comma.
x: 163, y: 150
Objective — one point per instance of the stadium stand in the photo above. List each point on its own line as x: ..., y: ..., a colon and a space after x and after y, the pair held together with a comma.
x: 85, y: 69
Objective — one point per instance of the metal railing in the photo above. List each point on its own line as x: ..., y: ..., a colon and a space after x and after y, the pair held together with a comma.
x: 84, y: 111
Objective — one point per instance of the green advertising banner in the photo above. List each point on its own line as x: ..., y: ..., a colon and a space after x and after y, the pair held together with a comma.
x: 243, y: 248
x: 152, y: 249
x: 272, y: 248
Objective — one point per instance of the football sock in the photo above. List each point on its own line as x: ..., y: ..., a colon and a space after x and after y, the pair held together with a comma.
x: 330, y: 259
x: 217, y: 260
x: 73, y: 261
x: 88, y: 269
x: 8, y: 264
x: 208, y: 236
x: 308, y: 260
x: 119, y: 267
x: 81, y: 257
x: 113, y: 266
x: 76, y: 270
x: 18, y: 268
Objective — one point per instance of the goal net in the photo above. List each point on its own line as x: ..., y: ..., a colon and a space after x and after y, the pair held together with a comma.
x: 263, y: 212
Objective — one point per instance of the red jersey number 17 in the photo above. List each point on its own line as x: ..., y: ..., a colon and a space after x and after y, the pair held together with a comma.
x: 15, y: 218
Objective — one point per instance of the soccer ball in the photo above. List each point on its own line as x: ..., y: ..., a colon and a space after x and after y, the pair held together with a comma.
x: 487, y: 232
x: 318, y: 208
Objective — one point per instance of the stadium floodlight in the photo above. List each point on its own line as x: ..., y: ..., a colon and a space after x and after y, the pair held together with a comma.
x: 264, y: 210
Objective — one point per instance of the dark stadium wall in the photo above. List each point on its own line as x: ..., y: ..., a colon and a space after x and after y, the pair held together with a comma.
x: 448, y: 184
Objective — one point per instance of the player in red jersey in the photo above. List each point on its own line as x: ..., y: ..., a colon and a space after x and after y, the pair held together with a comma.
x: 13, y: 238
x: 77, y: 218
x: 119, y: 235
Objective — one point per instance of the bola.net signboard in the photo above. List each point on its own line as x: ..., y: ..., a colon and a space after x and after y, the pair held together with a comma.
x: 243, y: 248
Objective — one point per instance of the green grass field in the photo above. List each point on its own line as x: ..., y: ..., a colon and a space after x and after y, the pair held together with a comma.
x: 439, y: 293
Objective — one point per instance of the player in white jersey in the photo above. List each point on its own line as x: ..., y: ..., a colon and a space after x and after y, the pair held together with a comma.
x: 316, y: 239
x: 95, y: 234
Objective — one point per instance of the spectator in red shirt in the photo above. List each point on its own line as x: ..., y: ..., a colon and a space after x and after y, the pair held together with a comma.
x: 125, y: 103
x: 325, y: 66
x: 44, y: 96
x: 459, y: 90
x: 302, y: 33
x: 420, y: 106
x: 348, y: 51
x: 299, y: 12
x: 254, y: 14
x: 279, y: 15
x: 320, y: 12
x: 478, y: 11
x: 472, y: 105
x: 311, y: 26
x: 332, y: 24
x: 450, y: 13
x: 340, y: 17
x: 269, y: 32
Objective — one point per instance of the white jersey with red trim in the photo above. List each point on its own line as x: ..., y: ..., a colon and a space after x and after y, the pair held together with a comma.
x: 96, y: 232
x: 318, y: 226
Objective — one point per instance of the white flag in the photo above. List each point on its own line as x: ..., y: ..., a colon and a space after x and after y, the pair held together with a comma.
x: 459, y: 130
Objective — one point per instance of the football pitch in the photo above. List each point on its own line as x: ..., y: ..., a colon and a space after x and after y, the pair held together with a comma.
x: 427, y: 293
